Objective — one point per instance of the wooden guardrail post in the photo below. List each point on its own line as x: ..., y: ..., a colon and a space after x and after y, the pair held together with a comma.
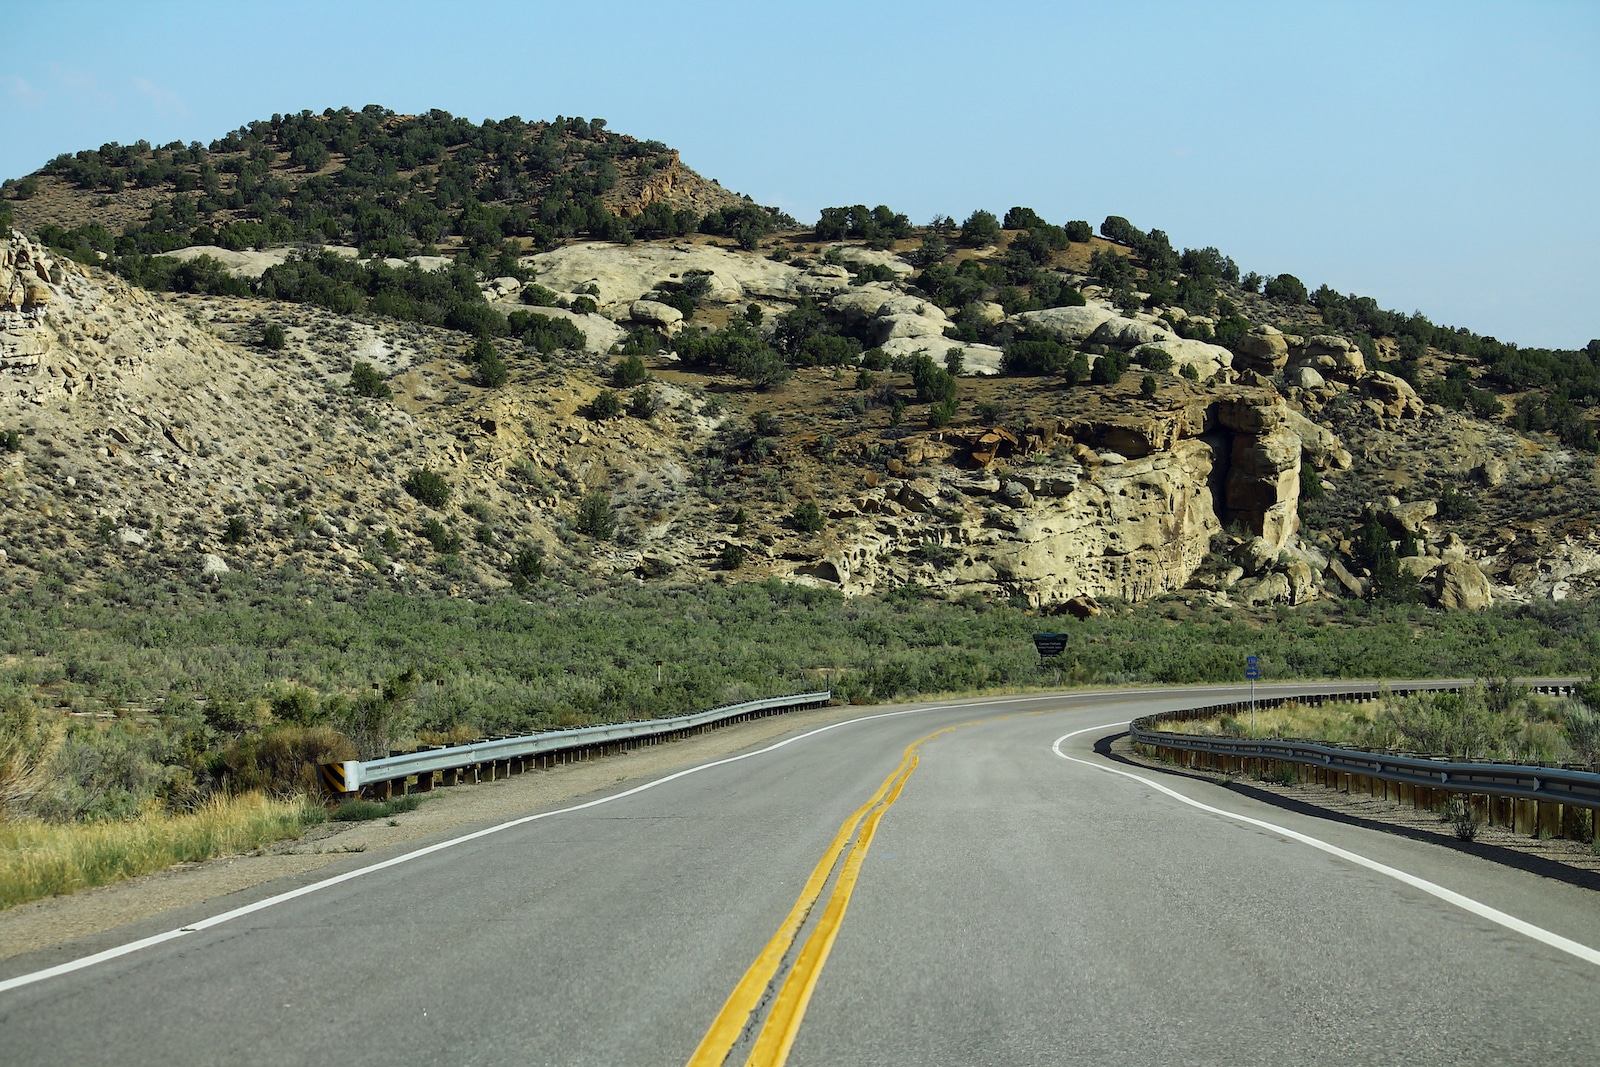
x: 1549, y: 818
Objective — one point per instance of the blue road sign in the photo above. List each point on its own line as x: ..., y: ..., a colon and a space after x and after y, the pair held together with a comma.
x: 1252, y: 667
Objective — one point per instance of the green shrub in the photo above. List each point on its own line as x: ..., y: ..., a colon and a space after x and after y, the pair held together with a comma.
x: 606, y: 405
x: 1455, y: 505
x: 367, y: 810
x: 527, y: 566
x: 642, y: 403
x: 595, y: 516
x: 629, y: 373
x: 441, y: 537
x: 1188, y: 371
x: 366, y: 381
x: 807, y: 517
x: 1156, y: 359
x: 731, y: 558
x: 941, y: 413
x: 1147, y: 386
x: 538, y: 296
x: 24, y: 743
x: 428, y: 487
x: 1109, y: 368
x: 283, y: 759
x: 237, y: 530
x: 11, y: 441
x: 584, y: 305
x: 1287, y: 288
x: 981, y: 228
x: 273, y: 337
x: 491, y: 372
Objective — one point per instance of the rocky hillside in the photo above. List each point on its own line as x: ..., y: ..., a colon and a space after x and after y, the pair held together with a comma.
x: 156, y: 434
x: 424, y: 352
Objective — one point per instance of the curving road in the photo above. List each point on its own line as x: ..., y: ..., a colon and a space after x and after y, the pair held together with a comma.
x: 993, y: 895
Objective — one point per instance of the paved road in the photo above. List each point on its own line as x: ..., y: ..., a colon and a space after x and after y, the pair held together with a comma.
x: 1015, y: 907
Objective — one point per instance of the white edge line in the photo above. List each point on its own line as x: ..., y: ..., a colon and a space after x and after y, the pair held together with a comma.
x: 109, y: 954
x: 1449, y: 896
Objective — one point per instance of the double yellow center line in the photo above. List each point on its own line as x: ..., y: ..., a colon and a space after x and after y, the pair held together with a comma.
x: 788, y: 1007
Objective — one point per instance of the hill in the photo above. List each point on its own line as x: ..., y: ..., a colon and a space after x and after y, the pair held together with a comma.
x: 488, y: 421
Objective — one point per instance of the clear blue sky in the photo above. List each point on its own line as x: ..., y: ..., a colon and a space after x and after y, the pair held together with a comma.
x: 1436, y: 156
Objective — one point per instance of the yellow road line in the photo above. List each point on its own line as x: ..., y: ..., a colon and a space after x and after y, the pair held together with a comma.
x: 730, y: 1021
x: 789, y: 1007
x: 795, y: 993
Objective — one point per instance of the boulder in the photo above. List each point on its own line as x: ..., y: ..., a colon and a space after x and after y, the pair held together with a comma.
x: 1403, y: 520
x: 1394, y: 395
x: 1207, y: 359
x: 1347, y: 581
x: 886, y: 314
x: 1305, y: 378
x: 654, y: 313
x: 1461, y: 586
x: 212, y: 567
x: 1318, y: 444
x: 1331, y: 355
x: 1082, y: 607
x: 1256, y: 556
x: 35, y: 292
x: 1071, y: 325
x: 1272, y: 589
x: 989, y: 313
x: 1130, y: 333
x: 857, y: 256
x: 1418, y: 567
x: 1302, y: 583
x: 1263, y: 350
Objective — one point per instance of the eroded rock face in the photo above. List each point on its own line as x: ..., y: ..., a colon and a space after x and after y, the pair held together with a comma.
x: 1262, y: 488
x: 1132, y: 516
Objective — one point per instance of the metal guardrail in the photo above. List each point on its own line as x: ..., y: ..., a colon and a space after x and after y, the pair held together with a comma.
x: 513, y: 755
x: 1558, y: 785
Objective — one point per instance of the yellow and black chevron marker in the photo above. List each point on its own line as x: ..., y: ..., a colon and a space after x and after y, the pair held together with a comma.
x: 333, y: 777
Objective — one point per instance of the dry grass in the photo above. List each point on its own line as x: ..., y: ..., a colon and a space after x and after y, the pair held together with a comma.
x: 39, y: 859
x: 1328, y: 722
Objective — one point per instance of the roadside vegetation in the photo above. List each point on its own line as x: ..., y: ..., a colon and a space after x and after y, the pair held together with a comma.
x: 120, y: 700
x: 41, y: 859
x: 1494, y: 720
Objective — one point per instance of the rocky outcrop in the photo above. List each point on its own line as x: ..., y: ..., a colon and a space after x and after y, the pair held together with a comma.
x: 1391, y: 397
x: 1319, y: 445
x: 664, y: 317
x: 1331, y: 356
x: 1461, y: 586
x: 1262, y: 485
x: 1263, y: 350
x: 1069, y: 325
x: 1206, y: 359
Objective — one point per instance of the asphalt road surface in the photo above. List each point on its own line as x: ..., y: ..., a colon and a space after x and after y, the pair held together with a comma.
x: 994, y: 895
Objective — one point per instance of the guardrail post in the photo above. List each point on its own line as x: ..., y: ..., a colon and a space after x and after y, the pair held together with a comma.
x: 1549, y: 816
x: 1525, y: 817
